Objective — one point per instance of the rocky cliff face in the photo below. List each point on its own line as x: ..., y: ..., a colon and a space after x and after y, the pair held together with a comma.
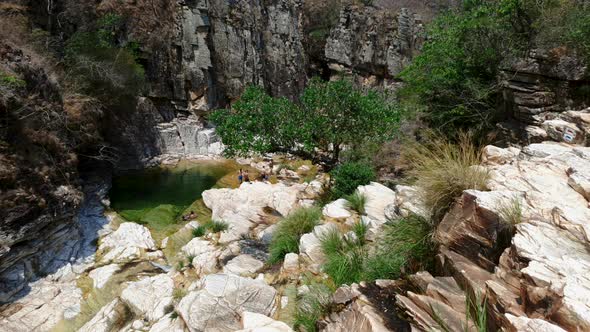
x: 216, y: 50
x: 373, y: 45
x: 547, y: 93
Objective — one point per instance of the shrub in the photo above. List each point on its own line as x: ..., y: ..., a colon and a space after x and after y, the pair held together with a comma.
x: 312, y: 306
x: 289, y: 231
x: 348, y: 176
x: 11, y: 81
x: 356, y: 202
x: 443, y: 170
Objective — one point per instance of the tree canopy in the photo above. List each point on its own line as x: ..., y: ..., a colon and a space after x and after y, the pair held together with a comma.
x: 328, y: 117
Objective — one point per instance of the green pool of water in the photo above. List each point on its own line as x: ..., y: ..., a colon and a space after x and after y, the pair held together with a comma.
x: 157, y: 197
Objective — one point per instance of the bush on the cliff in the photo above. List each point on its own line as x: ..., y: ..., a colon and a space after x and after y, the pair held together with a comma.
x: 443, y: 170
x: 330, y: 116
x: 289, y: 230
x: 348, y: 176
x: 99, y: 64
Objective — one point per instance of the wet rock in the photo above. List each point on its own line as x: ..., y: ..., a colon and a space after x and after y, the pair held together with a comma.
x: 220, y: 299
x: 150, y: 297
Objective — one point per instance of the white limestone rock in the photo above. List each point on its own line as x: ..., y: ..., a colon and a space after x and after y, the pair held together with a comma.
x: 525, y: 324
x: 243, y: 265
x: 310, y: 245
x: 106, y: 318
x: 220, y: 299
x: 150, y: 296
x: 127, y: 243
x: 291, y: 264
x: 167, y: 324
x: 378, y: 198
x: 254, y: 322
x: 101, y: 275
x: 337, y: 209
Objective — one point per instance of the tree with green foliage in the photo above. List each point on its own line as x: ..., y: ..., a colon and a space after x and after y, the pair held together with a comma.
x: 455, y: 78
x: 328, y: 117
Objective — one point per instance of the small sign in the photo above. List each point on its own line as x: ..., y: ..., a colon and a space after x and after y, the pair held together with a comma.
x: 569, y: 135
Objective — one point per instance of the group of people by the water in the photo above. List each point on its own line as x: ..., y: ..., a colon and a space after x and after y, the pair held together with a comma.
x: 244, y: 176
x: 190, y: 216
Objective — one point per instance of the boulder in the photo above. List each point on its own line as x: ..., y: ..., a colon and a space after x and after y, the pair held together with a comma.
x: 101, y: 275
x: 243, y: 265
x: 254, y: 322
x: 205, y: 255
x: 220, y: 299
x: 150, y: 297
x: 127, y: 243
x: 291, y: 264
x: 310, y: 245
x: 107, y: 318
x: 378, y: 198
x: 337, y: 209
x: 168, y: 324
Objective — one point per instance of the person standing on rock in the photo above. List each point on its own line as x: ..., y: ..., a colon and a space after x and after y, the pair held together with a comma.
x: 246, y: 177
x: 240, y: 176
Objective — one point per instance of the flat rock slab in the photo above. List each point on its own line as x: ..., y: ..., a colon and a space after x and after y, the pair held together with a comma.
x: 378, y: 198
x: 337, y: 209
x: 218, y: 304
x: 243, y: 265
x: 150, y: 296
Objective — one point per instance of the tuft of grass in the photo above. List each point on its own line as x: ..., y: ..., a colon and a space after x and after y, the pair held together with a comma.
x: 477, y: 311
x: 199, y: 231
x: 178, y: 293
x: 403, y: 247
x: 511, y: 212
x: 443, y: 170
x: 217, y: 226
x: 360, y: 229
x: 289, y: 231
x: 356, y: 202
x: 312, y: 306
x: 189, y: 260
x: 345, y: 259
x: 180, y: 265
x: 174, y: 315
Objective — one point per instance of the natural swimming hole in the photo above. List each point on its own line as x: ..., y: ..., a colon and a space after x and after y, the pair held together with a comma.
x: 158, y: 197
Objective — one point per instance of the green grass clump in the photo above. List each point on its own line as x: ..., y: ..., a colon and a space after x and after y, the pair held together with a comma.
x: 199, y: 231
x: 348, y: 176
x: 312, y: 306
x: 443, y: 170
x: 217, y: 226
x: 403, y: 247
x: 289, y: 231
x: 356, y: 202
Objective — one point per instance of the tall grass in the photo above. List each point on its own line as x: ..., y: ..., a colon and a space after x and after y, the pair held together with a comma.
x: 356, y: 201
x: 403, y: 247
x: 312, y: 306
x: 289, y: 231
x: 511, y: 212
x: 443, y: 170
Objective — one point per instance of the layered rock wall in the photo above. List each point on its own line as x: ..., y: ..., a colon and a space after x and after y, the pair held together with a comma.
x: 373, y: 44
x: 546, y: 94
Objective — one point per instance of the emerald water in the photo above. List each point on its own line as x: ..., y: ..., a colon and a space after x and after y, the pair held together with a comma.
x: 157, y: 197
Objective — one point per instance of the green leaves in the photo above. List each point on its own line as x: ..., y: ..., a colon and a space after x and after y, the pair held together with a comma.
x: 330, y: 115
